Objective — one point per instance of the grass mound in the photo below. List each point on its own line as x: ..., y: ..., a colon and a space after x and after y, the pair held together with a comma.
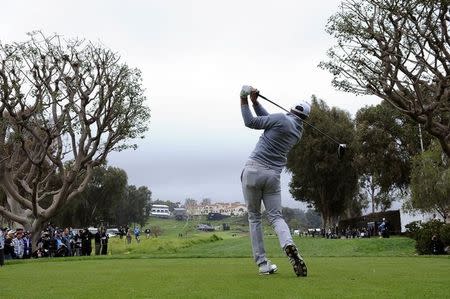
x: 159, y: 246
x: 236, y: 243
x: 223, y: 245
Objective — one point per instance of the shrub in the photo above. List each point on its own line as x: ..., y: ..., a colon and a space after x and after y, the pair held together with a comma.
x: 444, y: 234
x: 424, y: 235
x: 214, y: 238
x: 412, y: 229
x: 156, y: 231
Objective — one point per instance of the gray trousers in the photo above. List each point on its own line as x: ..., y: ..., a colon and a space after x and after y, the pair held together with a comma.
x: 262, y: 184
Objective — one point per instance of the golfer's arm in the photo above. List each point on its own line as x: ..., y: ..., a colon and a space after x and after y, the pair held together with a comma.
x: 259, y: 109
x: 247, y: 115
x: 244, y: 101
x: 259, y: 122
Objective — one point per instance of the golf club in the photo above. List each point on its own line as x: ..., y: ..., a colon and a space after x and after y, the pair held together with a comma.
x: 341, y: 146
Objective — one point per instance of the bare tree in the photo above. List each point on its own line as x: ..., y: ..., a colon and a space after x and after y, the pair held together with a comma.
x: 206, y: 201
x: 191, y: 206
x: 398, y: 50
x: 156, y: 231
x: 65, y: 105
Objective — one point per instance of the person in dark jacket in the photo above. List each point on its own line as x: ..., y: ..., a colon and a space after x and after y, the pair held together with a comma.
x: 147, y: 232
x: 97, y: 241
x: 78, y: 240
x: 437, y: 247
x: 9, y: 247
x: 86, y: 243
x: 27, y: 245
x: 43, y: 245
x: 104, y: 242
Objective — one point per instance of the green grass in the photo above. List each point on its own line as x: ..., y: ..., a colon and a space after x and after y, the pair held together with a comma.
x: 329, y: 277
x: 240, y: 247
x: 219, y: 265
x: 235, y: 243
x: 224, y: 245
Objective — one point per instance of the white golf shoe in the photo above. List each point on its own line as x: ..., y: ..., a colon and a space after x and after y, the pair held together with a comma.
x: 267, y: 268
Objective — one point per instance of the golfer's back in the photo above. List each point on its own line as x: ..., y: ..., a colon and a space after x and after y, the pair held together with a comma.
x: 281, y: 133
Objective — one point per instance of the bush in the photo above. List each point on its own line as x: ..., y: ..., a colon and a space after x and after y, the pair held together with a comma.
x: 412, y: 229
x: 427, y: 231
x: 156, y: 231
x: 215, y: 238
x: 444, y: 234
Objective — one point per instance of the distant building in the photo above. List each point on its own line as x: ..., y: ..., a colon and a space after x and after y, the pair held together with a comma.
x: 161, y: 211
x: 229, y: 209
x: 180, y: 213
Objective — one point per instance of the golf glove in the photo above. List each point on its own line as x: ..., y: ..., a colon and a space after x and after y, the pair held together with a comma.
x: 246, y: 90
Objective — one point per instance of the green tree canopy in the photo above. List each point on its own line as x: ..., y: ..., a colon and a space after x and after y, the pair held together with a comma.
x: 384, y: 144
x: 134, y: 206
x: 98, y: 203
x: 318, y: 176
x: 430, y: 182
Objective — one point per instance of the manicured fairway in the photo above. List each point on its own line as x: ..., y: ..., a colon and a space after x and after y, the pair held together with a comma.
x: 204, y: 265
x: 329, y: 277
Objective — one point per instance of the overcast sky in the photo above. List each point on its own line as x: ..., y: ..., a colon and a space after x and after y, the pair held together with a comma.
x: 195, y: 56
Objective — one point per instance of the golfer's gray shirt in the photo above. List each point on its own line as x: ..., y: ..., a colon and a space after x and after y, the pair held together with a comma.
x: 281, y: 133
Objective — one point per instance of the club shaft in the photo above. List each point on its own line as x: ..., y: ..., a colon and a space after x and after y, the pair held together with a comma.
x: 318, y: 130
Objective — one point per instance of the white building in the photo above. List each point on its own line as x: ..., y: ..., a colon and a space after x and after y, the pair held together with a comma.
x: 229, y: 209
x: 160, y: 211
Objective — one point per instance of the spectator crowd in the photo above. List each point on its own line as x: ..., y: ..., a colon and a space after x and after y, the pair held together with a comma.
x: 52, y: 242
x: 368, y: 230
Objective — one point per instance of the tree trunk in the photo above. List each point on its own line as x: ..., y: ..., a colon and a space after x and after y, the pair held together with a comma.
x: 31, y: 224
x: 324, y: 219
x: 16, y: 209
x: 35, y: 230
x: 372, y: 195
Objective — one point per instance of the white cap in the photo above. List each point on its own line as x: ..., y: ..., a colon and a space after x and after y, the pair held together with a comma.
x: 301, y: 109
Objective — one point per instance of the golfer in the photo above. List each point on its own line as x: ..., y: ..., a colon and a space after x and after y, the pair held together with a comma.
x: 261, y: 176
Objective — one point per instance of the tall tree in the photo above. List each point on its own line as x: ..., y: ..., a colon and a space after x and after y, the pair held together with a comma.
x: 98, y: 202
x: 65, y: 105
x: 430, y: 182
x: 190, y: 205
x: 384, y: 144
x: 3, y: 220
x: 134, y: 206
x: 318, y: 176
x: 206, y: 202
x: 399, y: 51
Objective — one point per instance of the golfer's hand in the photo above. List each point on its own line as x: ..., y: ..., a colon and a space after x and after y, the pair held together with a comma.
x: 246, y: 90
x: 254, y: 95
